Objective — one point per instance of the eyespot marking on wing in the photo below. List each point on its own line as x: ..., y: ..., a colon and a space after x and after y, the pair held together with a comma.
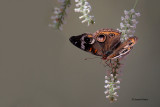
x: 101, y: 38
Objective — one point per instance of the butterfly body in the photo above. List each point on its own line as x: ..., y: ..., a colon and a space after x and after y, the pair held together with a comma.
x: 105, y: 43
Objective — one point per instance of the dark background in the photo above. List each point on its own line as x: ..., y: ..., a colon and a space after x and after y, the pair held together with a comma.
x: 39, y: 67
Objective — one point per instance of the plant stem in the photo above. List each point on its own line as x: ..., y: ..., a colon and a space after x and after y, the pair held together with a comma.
x: 135, y: 4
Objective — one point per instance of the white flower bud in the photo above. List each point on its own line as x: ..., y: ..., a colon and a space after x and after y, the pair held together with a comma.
x: 76, y: 0
x: 132, y: 11
x: 133, y: 16
x: 122, y: 18
x: 118, y: 87
x: 137, y: 14
x: 121, y: 25
x: 134, y: 21
x: 81, y: 17
x: 77, y: 10
x: 111, y: 75
x: 54, y: 17
x: 115, y: 93
x: 106, y: 77
x: 118, y: 82
x: 85, y: 20
x: 54, y: 21
x: 115, y: 99
x: 106, y: 81
x: 130, y: 35
x: 126, y: 17
x: 126, y: 12
x: 128, y: 25
x: 86, y: 3
x: 107, y: 86
x: 106, y: 92
x: 107, y: 96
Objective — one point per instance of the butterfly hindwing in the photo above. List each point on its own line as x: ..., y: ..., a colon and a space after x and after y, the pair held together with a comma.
x: 124, y: 48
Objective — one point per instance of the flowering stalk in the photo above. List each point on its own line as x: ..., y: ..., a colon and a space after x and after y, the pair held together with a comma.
x: 127, y: 27
x: 84, y: 7
x: 112, y: 81
x: 59, y: 14
x: 128, y: 24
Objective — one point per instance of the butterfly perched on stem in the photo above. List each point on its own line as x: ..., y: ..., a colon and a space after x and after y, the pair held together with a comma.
x: 105, y: 43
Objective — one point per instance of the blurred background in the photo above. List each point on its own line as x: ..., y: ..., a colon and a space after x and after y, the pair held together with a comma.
x: 39, y: 67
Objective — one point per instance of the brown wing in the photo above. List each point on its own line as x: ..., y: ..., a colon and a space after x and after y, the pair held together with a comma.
x: 87, y: 43
x: 124, y: 48
x: 108, y: 39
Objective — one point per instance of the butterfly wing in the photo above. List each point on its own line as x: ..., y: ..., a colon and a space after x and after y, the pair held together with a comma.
x: 124, y: 48
x: 87, y: 43
x: 105, y: 43
x: 109, y: 40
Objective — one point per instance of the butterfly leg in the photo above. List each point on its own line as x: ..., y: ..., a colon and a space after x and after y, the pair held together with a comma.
x: 108, y: 63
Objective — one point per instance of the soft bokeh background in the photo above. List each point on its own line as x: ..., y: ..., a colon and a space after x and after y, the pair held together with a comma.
x: 39, y: 67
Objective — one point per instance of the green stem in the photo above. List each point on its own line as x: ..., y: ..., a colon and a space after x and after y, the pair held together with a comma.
x: 66, y: 4
x: 135, y: 4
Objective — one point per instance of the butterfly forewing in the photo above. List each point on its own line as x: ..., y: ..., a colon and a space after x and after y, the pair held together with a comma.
x: 87, y: 43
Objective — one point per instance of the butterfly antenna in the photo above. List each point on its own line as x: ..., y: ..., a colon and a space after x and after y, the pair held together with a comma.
x: 91, y: 58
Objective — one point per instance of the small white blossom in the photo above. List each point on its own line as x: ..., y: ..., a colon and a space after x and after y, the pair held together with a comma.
x: 106, y: 92
x: 126, y: 17
x: 107, y: 96
x: 133, y: 26
x: 128, y: 25
x: 111, y: 75
x: 118, y: 82
x: 121, y: 25
x: 107, y: 86
x: 85, y: 20
x: 128, y: 31
x: 122, y: 18
x: 137, y: 14
x: 106, y: 77
x: 112, y: 79
x: 132, y: 11
x: 106, y: 81
x: 130, y: 35
x: 54, y: 21
x: 115, y: 99
x: 115, y: 93
x: 80, y: 17
x: 134, y: 21
x: 57, y: 10
x: 126, y: 12
x: 133, y: 16
x: 76, y: 0
x: 118, y: 87
x: 54, y: 17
